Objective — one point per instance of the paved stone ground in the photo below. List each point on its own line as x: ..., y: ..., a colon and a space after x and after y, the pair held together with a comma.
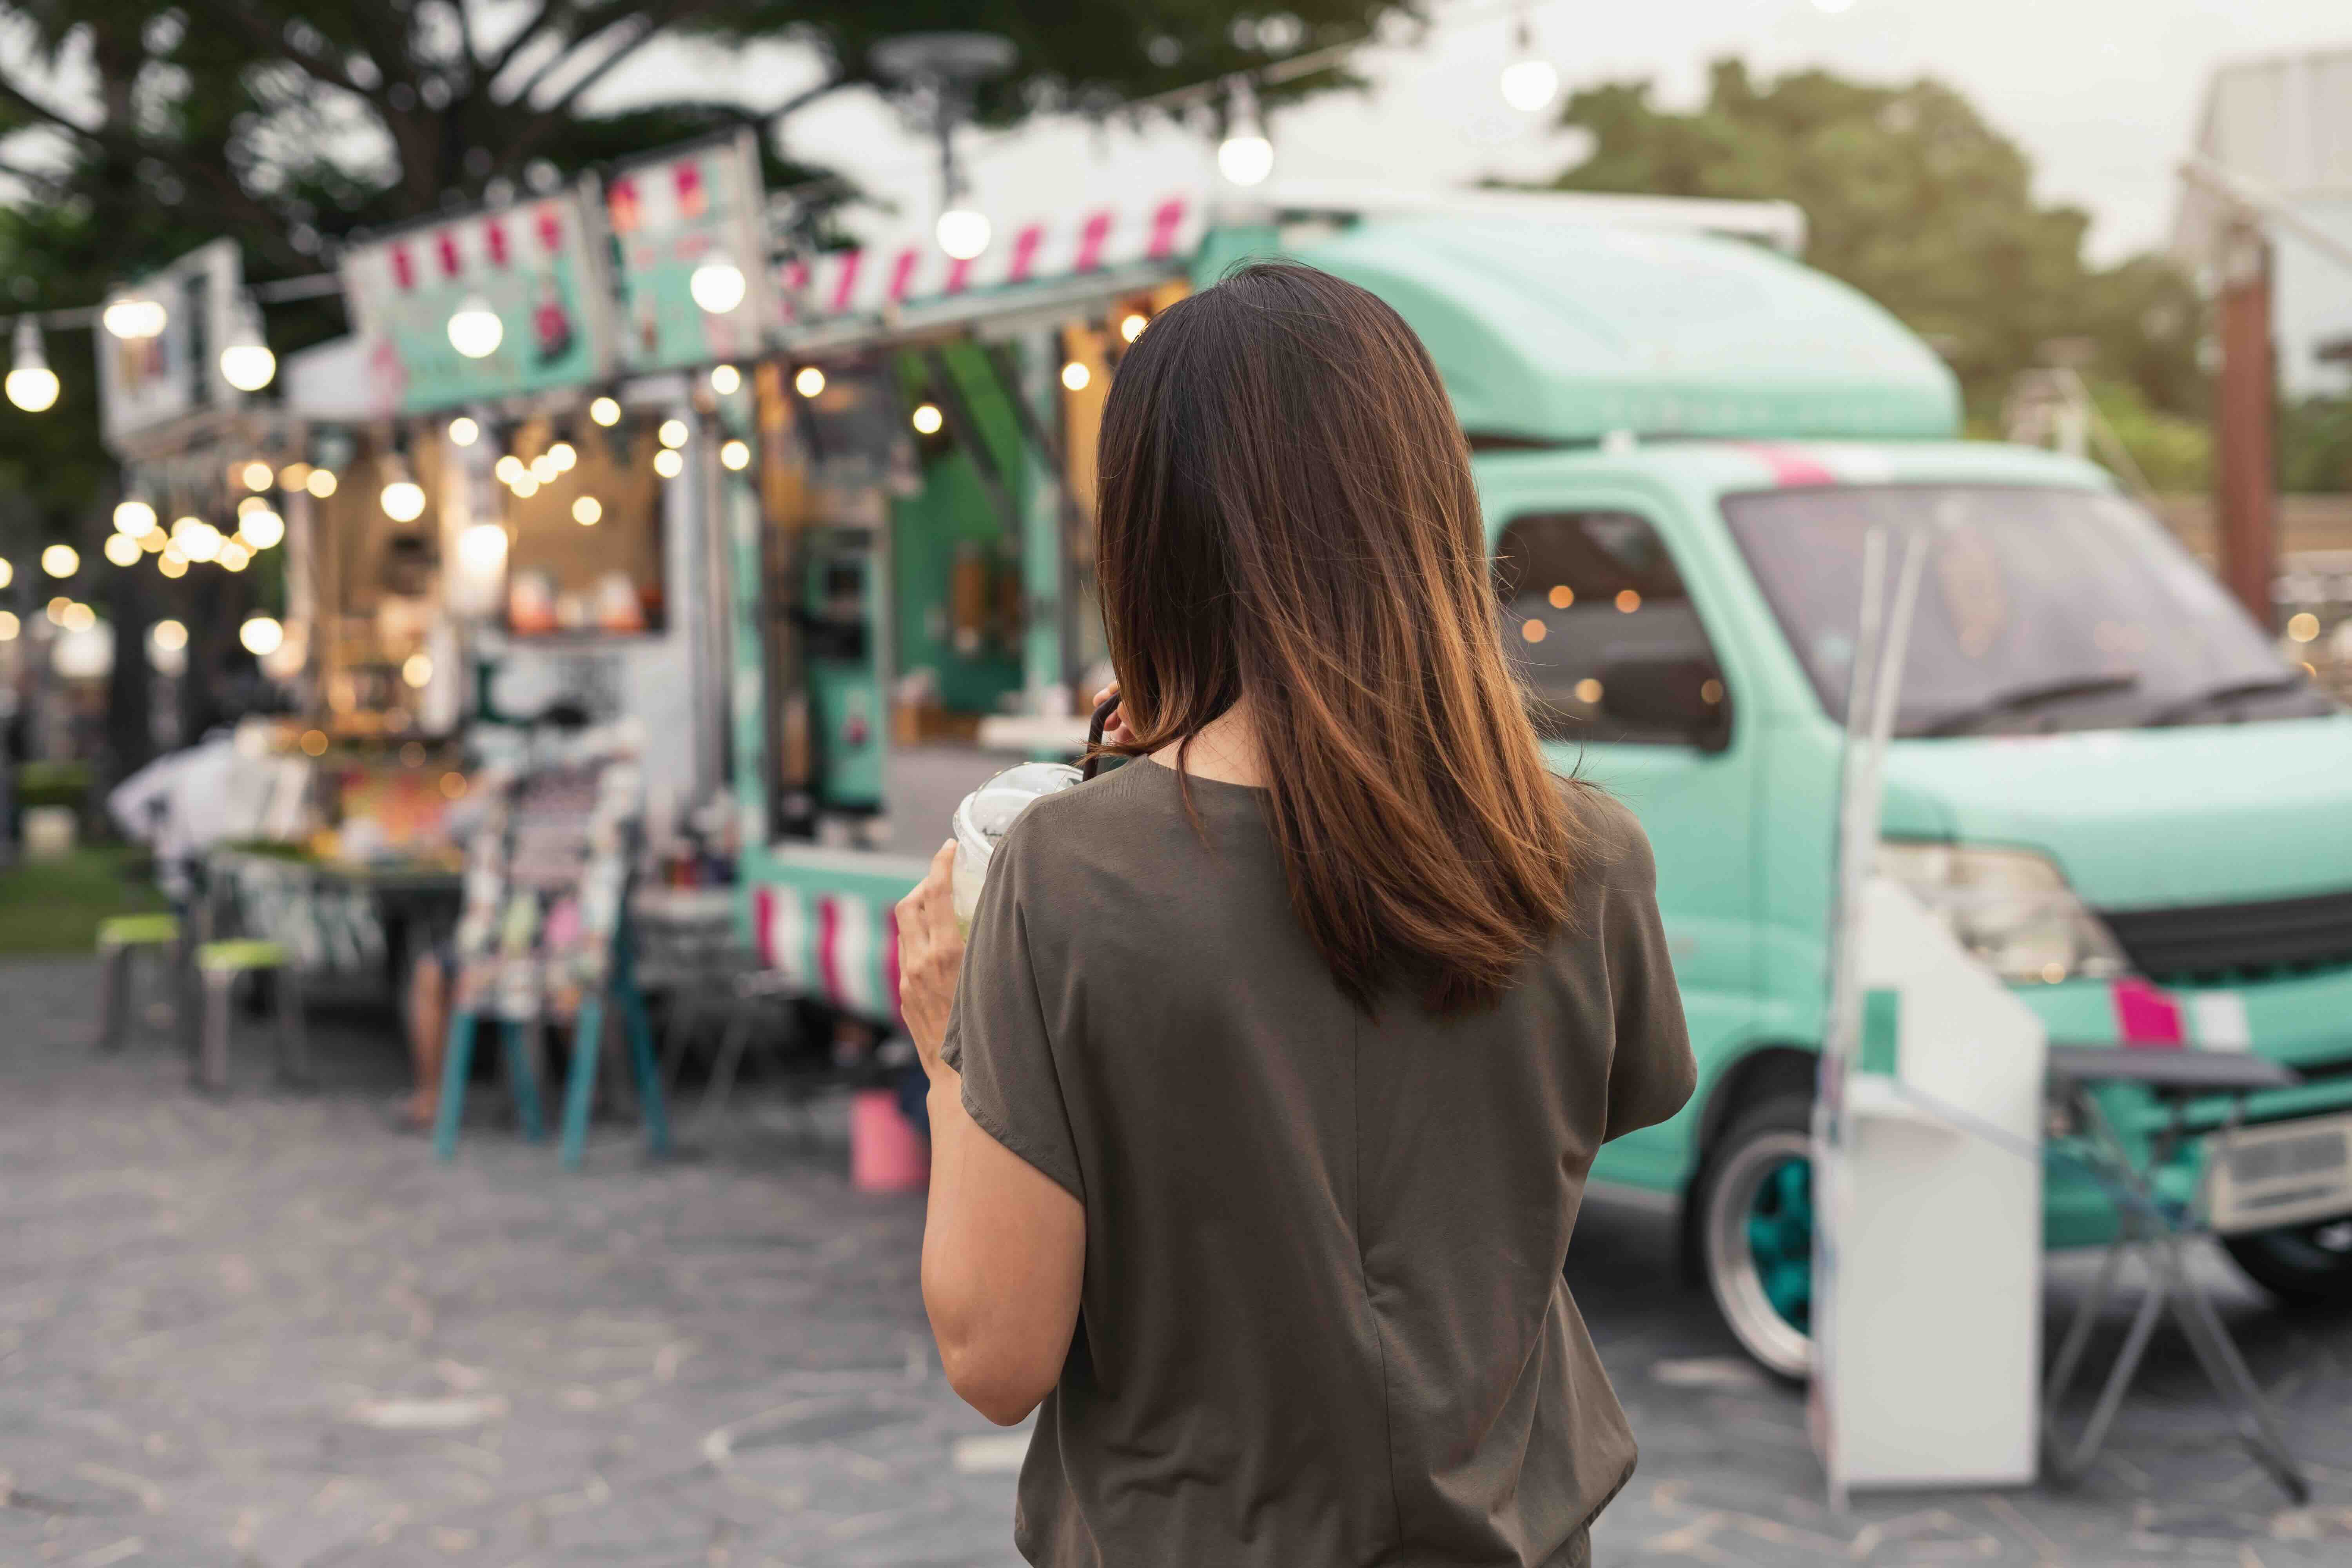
x: 265, y: 1329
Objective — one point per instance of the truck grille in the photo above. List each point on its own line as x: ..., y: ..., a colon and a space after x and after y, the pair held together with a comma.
x: 2220, y: 940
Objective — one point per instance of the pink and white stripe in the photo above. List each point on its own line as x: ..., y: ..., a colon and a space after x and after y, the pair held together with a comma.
x: 909, y: 267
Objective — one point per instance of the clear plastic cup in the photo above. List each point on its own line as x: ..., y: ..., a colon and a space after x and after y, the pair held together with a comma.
x: 986, y: 816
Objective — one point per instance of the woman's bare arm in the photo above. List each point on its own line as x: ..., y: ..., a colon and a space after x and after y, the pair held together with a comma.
x: 1003, y: 1245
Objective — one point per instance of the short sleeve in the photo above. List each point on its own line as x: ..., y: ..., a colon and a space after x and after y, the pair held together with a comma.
x: 997, y: 1035
x: 1651, y: 1070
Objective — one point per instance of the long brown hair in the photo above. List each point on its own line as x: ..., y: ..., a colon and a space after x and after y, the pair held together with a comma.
x: 1287, y: 517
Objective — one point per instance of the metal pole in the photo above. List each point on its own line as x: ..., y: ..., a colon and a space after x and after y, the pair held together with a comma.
x: 2245, y: 502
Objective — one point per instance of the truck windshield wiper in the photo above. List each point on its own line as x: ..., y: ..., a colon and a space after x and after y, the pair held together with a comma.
x: 2228, y: 691
x: 2019, y: 699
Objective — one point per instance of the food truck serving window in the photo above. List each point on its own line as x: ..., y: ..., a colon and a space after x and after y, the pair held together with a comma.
x: 586, y: 557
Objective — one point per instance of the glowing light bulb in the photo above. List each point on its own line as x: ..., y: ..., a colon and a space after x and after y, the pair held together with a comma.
x: 475, y: 330
x: 256, y: 476
x: 725, y: 379
x: 565, y: 455
x: 962, y: 232
x: 31, y: 385
x: 717, y: 286
x: 261, y: 636
x: 808, y: 381
x: 1132, y: 325
x: 509, y: 469
x: 606, y: 411
x: 544, y: 469
x: 261, y: 529
x: 121, y: 549
x: 246, y: 362
x: 1074, y: 376
x: 1245, y: 156
x: 234, y: 556
x: 416, y: 671
x: 403, y: 500
x: 668, y: 464
x: 168, y: 635
x: 131, y: 317
x: 464, y: 431
x: 60, y: 561
x: 735, y: 455
x: 321, y: 483
x: 132, y: 518
x: 673, y: 432
x: 927, y: 419
x: 587, y: 510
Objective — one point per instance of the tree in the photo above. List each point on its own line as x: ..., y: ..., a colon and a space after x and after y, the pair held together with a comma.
x: 137, y: 130
x: 1911, y: 197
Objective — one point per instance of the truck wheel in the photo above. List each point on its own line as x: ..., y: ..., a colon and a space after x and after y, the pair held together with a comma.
x: 2302, y: 1265
x: 1755, y: 1205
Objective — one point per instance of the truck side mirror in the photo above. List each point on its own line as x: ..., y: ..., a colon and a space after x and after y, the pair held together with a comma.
x: 1677, y: 694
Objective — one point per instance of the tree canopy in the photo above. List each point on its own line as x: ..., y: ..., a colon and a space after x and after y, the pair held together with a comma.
x: 1911, y: 197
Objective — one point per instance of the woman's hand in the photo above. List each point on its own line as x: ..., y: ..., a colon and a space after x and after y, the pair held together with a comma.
x: 930, y: 955
x: 1115, y: 730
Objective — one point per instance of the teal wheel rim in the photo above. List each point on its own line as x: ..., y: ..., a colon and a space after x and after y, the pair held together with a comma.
x: 1779, y: 1229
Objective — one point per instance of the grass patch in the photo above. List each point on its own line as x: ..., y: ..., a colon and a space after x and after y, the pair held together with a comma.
x: 54, y: 906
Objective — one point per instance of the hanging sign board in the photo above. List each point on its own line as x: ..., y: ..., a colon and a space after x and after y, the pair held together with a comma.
x: 158, y: 342
x: 532, y: 267
x: 691, y: 243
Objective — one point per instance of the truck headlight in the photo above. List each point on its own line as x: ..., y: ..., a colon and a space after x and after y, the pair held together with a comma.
x: 2012, y: 908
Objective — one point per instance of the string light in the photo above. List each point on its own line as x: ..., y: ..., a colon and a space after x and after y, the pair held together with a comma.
x: 132, y: 318
x: 8, y: 572
x: 809, y: 381
x: 234, y: 556
x: 475, y: 330
x: 565, y: 455
x: 668, y: 464
x: 78, y: 617
x: 735, y: 455
x: 121, y: 549
x: 1075, y: 376
x: 717, y: 286
x: 963, y: 232
x: 606, y: 411
x: 673, y: 432
x: 57, y: 609
x: 31, y: 385
x: 320, y: 483
x: 416, y: 671
x: 927, y: 419
x: 168, y: 635
x: 132, y: 518
x: 9, y: 626
x: 1245, y: 156
x: 401, y: 498
x: 1530, y: 82
x: 526, y: 485
x: 60, y: 561
x: 725, y: 379
x: 256, y: 475
x: 153, y: 541
x: 261, y: 636
x: 544, y: 468
x: 261, y: 529
x: 246, y: 362
x: 464, y: 431
x: 1132, y: 325
x: 200, y: 542
x: 587, y: 510
x: 508, y: 469
x: 293, y: 475
x: 172, y: 563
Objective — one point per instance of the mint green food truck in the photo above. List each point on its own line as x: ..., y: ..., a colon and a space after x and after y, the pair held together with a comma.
x: 2103, y: 771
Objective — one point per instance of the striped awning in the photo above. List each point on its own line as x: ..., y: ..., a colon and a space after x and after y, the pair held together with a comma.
x: 908, y: 268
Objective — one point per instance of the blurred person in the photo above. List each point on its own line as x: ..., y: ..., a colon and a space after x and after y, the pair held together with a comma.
x: 1264, y: 1100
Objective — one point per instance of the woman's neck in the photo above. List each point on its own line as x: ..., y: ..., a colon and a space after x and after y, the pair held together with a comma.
x: 1226, y: 749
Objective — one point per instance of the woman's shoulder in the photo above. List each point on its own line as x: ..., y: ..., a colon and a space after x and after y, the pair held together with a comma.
x: 1616, y: 850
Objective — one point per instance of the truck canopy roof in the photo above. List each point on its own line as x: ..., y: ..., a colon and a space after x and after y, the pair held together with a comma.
x: 1566, y: 332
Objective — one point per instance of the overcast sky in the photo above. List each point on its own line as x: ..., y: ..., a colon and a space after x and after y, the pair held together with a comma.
x: 2103, y: 94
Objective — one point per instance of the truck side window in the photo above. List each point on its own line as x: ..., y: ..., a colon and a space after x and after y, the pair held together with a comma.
x: 1578, y: 589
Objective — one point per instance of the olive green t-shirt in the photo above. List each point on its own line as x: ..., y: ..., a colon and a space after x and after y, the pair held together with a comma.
x: 1323, y: 1321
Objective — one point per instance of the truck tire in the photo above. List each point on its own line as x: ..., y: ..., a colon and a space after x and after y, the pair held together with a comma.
x: 1755, y: 1211
x: 2301, y: 1264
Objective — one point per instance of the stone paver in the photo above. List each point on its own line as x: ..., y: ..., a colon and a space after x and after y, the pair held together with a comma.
x: 265, y: 1330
